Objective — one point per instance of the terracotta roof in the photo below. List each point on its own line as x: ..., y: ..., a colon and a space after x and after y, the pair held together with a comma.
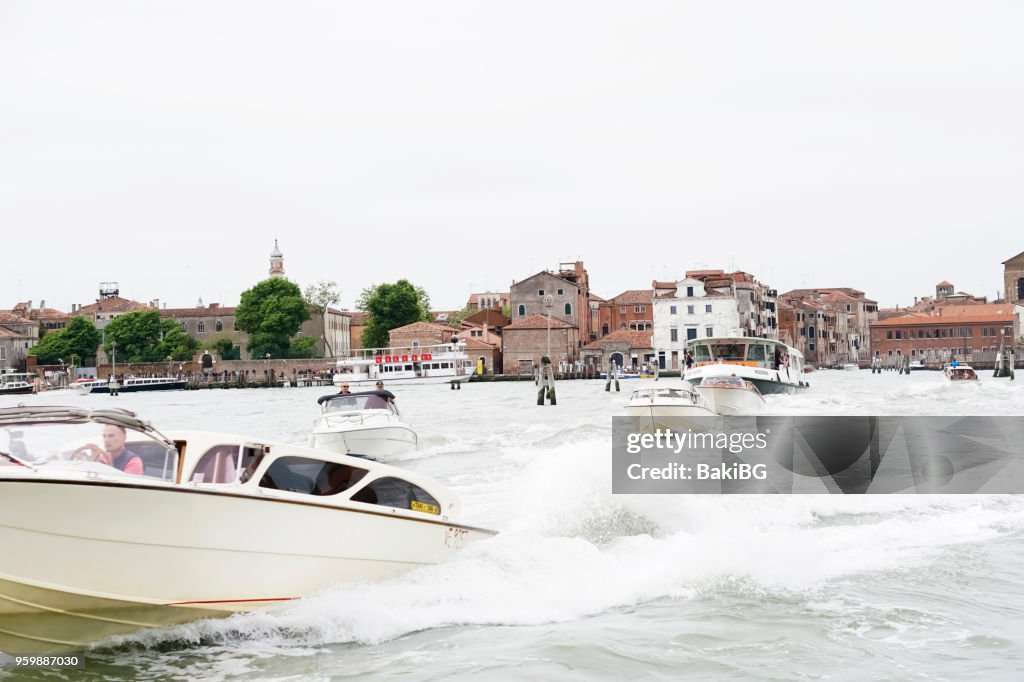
x: 663, y: 285
x: 423, y: 327
x: 11, y: 318
x: 114, y: 304
x: 636, y: 339
x: 595, y: 297
x: 477, y: 344
x: 9, y: 333
x: 944, y: 283
x: 538, y: 321
x: 632, y: 297
x: 697, y: 274
x: 931, y: 320
x: 490, y: 316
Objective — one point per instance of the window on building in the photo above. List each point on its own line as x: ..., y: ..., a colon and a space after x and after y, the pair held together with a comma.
x: 640, y: 309
x: 707, y: 308
x: 709, y: 331
x: 672, y: 310
x: 604, y: 329
x: 561, y: 291
x: 183, y: 327
x: 690, y: 309
x: 219, y: 326
x: 899, y: 334
x: 673, y: 335
x: 522, y: 310
x: 691, y: 333
x: 689, y: 292
x: 234, y: 326
x: 622, y: 310
x: 568, y: 308
x: 1020, y: 289
x: 3, y: 352
x: 540, y: 292
x: 201, y: 328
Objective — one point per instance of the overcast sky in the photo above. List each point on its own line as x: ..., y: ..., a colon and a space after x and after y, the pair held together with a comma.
x: 462, y: 145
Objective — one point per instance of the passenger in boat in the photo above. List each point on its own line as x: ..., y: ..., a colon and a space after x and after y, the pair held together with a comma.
x: 689, y: 359
x: 344, y: 390
x: 380, y: 385
x: 113, y: 453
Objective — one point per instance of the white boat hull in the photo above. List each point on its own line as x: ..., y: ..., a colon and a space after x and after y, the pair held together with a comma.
x: 362, y: 380
x: 783, y: 380
x: 732, y: 400
x: 378, y: 442
x: 82, y: 563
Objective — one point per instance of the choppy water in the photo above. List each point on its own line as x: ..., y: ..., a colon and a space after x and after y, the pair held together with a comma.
x: 581, y: 584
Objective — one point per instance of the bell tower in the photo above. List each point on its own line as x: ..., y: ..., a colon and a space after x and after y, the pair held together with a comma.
x: 276, y: 262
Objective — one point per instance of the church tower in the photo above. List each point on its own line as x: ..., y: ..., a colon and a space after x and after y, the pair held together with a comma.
x: 276, y: 262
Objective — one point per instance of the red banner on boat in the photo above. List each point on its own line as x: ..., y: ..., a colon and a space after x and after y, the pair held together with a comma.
x: 428, y: 356
x: 378, y: 359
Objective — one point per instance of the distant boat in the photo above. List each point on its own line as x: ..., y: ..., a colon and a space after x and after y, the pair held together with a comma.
x: 439, y: 364
x: 958, y: 373
x: 16, y: 383
x: 130, y: 385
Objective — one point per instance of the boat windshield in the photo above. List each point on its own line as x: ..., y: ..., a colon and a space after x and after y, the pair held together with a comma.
x: 355, y: 403
x: 102, y: 448
x: 723, y: 381
x: 677, y: 393
x: 729, y: 352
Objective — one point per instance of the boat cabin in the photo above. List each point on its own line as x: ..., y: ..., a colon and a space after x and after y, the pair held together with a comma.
x: 747, y: 351
x: 358, y: 402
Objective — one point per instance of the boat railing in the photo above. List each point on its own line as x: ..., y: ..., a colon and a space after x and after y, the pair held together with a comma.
x: 373, y: 353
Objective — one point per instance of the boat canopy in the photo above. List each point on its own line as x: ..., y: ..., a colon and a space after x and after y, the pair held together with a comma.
x: 386, y: 395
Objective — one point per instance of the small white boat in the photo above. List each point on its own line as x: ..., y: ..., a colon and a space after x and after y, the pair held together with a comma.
x: 130, y: 385
x: 207, y: 525
x: 365, y: 423
x: 851, y: 367
x: 443, y: 363
x: 664, y: 407
x: 730, y: 395
x: 917, y: 365
x: 960, y: 372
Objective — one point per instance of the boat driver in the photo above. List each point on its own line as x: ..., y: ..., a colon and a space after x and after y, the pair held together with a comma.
x: 113, y: 453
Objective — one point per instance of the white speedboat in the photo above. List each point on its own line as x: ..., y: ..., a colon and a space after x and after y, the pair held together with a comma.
x: 365, y: 423
x: 917, y: 365
x: 960, y: 372
x: 770, y: 365
x: 443, y: 363
x: 730, y: 395
x: 130, y: 385
x: 851, y: 367
x: 211, y: 524
x: 664, y: 407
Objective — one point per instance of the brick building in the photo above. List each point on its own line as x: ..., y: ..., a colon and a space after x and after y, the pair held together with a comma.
x: 569, y: 289
x: 1013, y: 279
x: 627, y: 348
x: 17, y: 335
x: 950, y: 331
x: 525, y: 340
x: 631, y: 309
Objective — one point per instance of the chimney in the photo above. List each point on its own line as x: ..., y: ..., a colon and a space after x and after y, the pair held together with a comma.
x: 42, y: 305
x: 915, y: 300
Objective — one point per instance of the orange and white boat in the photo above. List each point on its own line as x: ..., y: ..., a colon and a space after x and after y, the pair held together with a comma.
x: 772, y: 366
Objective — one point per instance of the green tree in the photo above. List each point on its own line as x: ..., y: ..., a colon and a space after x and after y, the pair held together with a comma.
x: 271, y: 313
x: 320, y: 297
x: 144, y: 336
x: 226, y: 349
x: 80, y: 337
x: 302, y: 347
x: 390, y: 306
x: 135, y: 335
x: 176, y: 344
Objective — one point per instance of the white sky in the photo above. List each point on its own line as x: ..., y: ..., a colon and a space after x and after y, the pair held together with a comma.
x: 462, y: 145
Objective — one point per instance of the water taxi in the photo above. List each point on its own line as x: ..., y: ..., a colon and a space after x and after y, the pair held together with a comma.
x: 959, y: 372
x: 772, y: 366
x: 130, y: 385
x: 112, y: 527
x: 365, y: 423
x: 17, y: 383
